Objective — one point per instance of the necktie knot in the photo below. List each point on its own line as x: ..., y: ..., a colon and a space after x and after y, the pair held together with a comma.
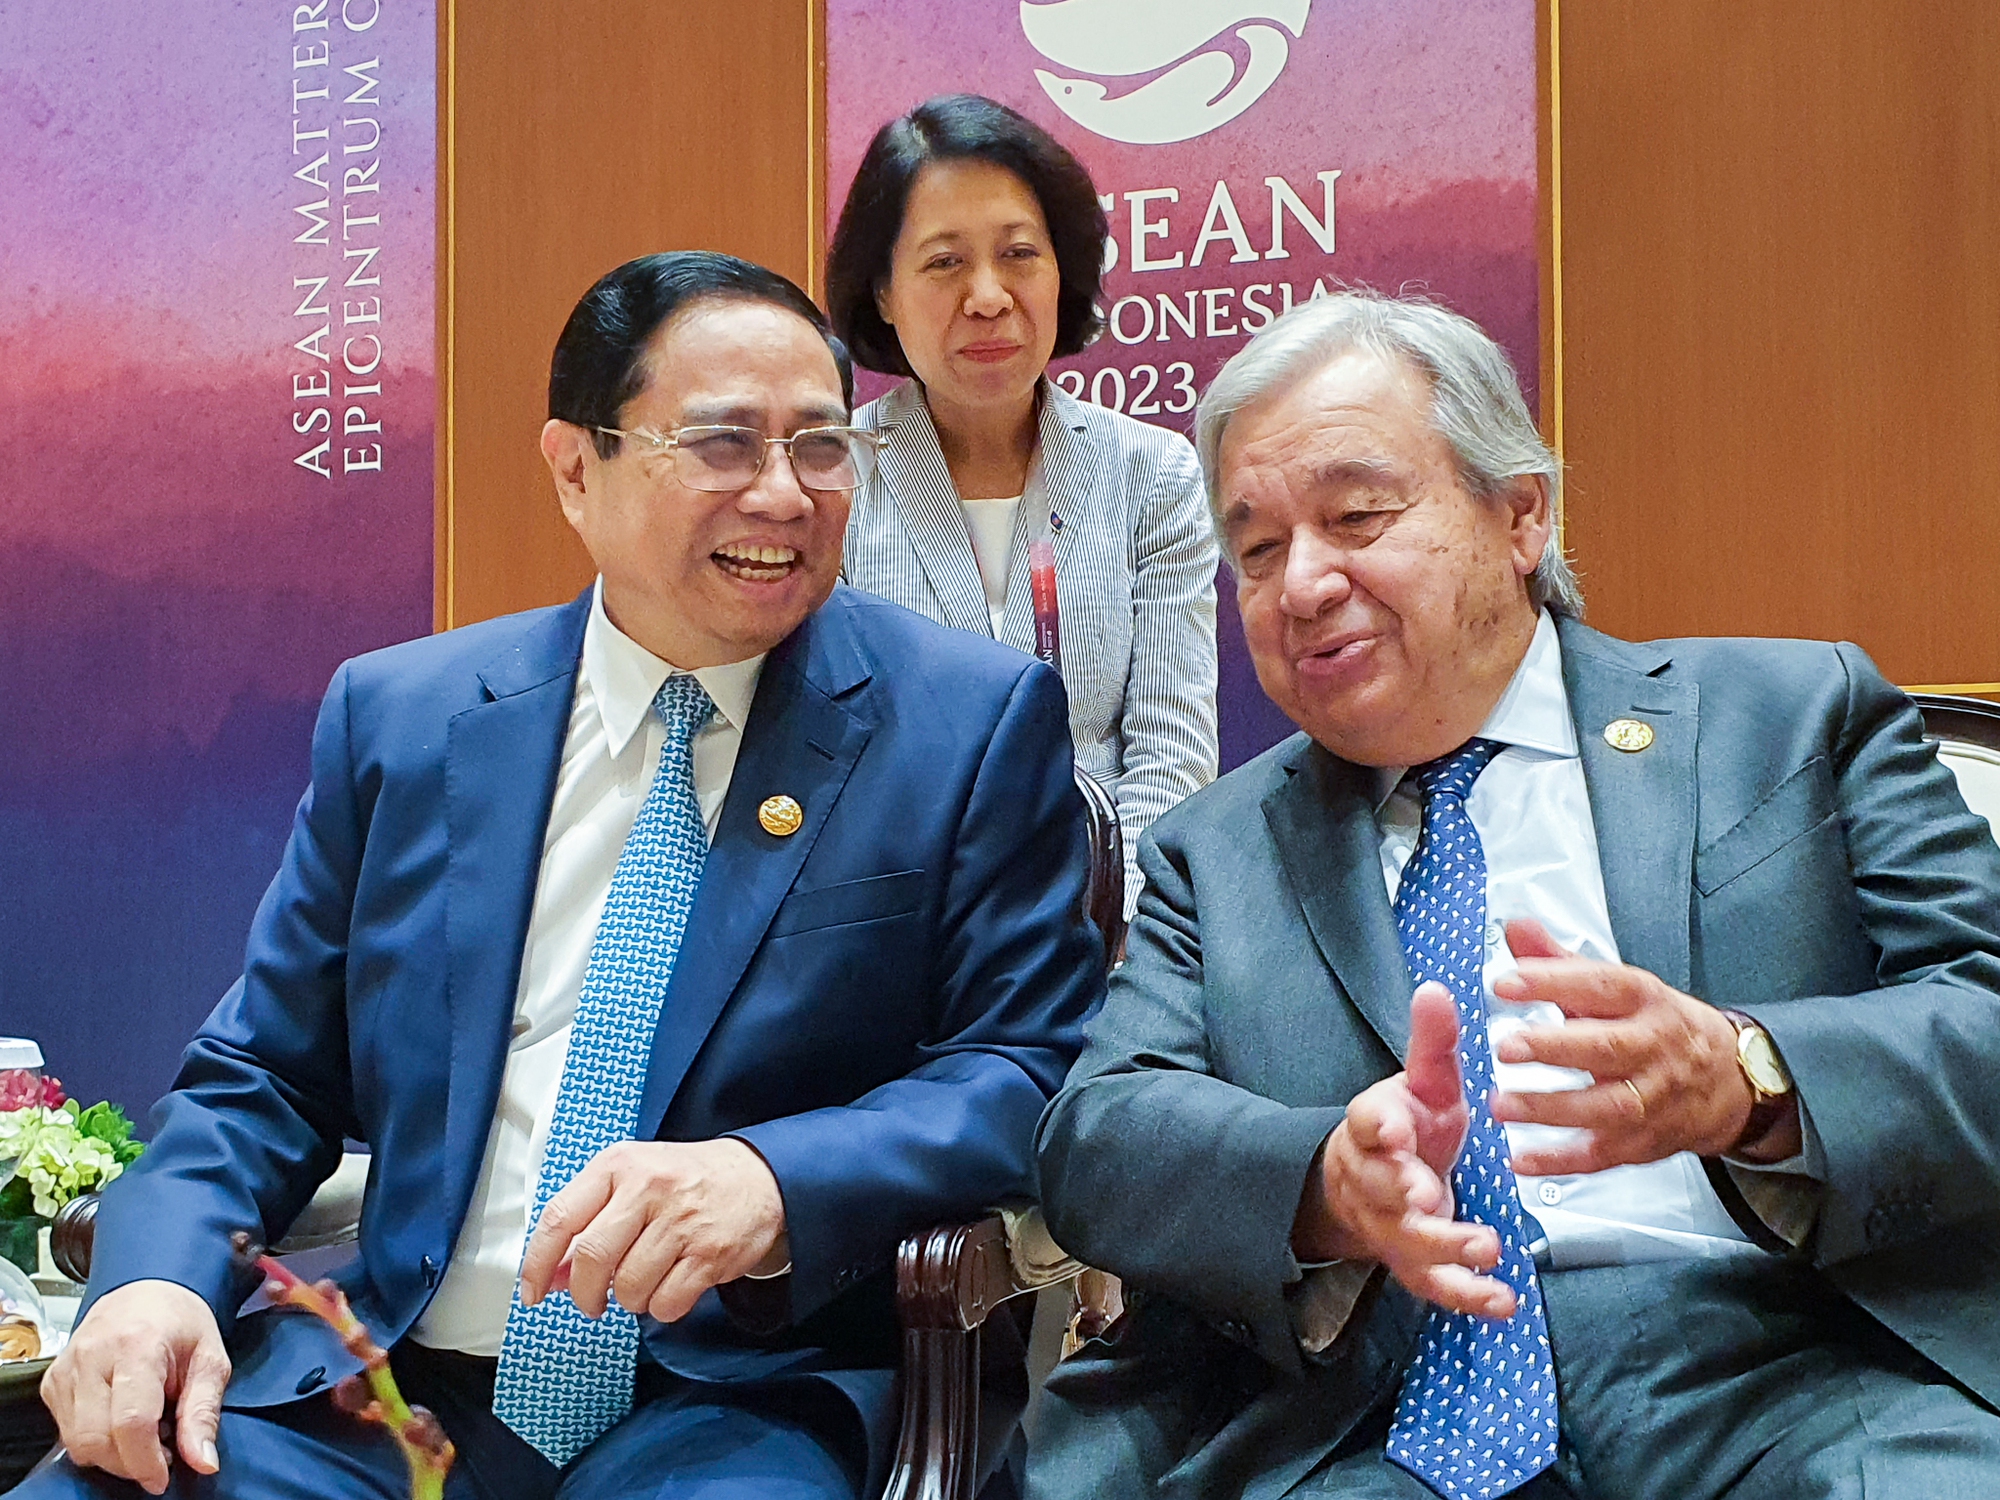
x: 1452, y: 775
x: 683, y: 704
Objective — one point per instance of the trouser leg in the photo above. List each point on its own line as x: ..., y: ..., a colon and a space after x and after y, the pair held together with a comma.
x: 1359, y: 1469
x: 1752, y: 1378
x: 304, y: 1450
x: 786, y: 1440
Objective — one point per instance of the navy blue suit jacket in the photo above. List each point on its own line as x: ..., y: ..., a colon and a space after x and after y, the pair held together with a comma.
x: 880, y: 1003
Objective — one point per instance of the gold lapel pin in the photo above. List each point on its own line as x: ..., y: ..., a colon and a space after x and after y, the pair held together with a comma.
x: 1629, y: 735
x: 781, y: 815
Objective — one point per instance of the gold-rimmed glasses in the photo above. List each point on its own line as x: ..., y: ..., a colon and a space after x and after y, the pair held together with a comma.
x: 721, y: 459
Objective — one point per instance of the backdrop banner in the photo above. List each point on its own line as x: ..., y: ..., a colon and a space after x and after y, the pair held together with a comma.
x: 1251, y: 154
x: 216, y: 412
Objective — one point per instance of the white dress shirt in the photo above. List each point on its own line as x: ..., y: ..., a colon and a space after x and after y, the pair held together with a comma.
x: 1532, y: 811
x: 610, y: 755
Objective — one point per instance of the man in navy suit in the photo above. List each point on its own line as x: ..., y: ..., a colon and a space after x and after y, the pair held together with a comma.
x: 755, y: 897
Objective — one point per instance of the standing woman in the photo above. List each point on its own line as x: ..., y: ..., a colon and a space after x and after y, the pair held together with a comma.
x: 969, y: 254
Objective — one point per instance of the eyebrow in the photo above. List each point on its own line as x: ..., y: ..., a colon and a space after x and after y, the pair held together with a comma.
x: 745, y: 414
x: 1368, y: 471
x: 946, y: 236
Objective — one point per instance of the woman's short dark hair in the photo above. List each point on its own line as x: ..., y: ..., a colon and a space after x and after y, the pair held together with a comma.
x: 599, y: 363
x: 961, y: 127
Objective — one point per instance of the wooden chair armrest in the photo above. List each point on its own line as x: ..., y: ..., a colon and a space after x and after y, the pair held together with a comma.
x: 953, y: 1276
x: 948, y: 1282
x: 333, y: 1217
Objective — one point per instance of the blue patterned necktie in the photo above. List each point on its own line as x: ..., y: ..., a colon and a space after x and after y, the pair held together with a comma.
x: 1477, y: 1413
x: 564, y: 1378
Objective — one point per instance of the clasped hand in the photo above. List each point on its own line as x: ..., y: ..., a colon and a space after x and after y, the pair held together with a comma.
x: 1666, y: 1080
x: 655, y: 1224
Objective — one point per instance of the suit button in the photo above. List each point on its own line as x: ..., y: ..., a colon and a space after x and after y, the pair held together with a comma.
x: 311, y: 1378
x: 1239, y: 1332
x: 433, y: 1273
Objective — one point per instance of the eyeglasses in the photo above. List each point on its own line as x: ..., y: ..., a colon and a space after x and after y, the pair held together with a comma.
x: 721, y: 459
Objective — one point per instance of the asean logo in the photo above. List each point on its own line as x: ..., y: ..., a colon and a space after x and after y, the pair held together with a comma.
x: 1207, y: 87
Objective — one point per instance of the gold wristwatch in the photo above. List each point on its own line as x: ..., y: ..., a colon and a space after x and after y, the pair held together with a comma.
x: 1770, y: 1082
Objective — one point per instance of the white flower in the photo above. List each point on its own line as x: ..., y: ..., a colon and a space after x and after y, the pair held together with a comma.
x: 58, y: 1162
x: 19, y: 1127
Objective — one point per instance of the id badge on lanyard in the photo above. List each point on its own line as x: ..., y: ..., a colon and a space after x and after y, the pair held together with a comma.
x: 1042, y: 590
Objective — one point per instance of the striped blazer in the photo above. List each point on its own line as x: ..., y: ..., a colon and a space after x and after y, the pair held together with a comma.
x: 1135, y: 583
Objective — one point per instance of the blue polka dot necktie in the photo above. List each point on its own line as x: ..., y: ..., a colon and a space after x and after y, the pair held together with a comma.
x: 1477, y: 1413
x: 564, y: 1378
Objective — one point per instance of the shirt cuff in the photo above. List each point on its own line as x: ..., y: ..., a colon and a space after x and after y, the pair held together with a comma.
x: 1322, y: 1300
x: 1786, y: 1194
x: 1808, y: 1161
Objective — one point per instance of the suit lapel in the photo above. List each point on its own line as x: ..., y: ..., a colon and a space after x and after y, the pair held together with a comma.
x: 802, y: 740
x: 1643, y: 803
x: 1323, y: 821
x: 1060, y: 473
x: 501, y: 760
x: 913, y: 467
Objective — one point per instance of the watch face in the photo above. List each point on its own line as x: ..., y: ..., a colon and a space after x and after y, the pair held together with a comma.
x: 1761, y: 1062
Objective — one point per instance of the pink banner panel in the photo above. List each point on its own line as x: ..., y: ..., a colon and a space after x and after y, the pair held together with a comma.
x: 1251, y: 155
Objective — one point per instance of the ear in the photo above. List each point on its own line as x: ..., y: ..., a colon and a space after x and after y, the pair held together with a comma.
x: 882, y: 302
x: 1529, y: 520
x: 568, y: 449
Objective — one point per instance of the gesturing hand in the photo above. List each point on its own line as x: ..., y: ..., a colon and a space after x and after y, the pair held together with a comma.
x: 139, y: 1346
x: 1383, y: 1191
x: 1667, y: 1079
x: 656, y: 1224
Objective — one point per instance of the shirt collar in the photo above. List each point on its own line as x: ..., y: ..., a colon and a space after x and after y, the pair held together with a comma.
x: 1533, y: 713
x: 625, y: 677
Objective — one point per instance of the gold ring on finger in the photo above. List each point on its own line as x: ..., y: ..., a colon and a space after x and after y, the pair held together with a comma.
x: 1637, y: 1098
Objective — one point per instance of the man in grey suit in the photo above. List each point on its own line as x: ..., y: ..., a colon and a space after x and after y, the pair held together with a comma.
x: 1567, y: 1069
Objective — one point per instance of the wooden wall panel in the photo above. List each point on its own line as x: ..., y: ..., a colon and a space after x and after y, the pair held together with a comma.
x: 574, y: 137
x: 1781, y: 322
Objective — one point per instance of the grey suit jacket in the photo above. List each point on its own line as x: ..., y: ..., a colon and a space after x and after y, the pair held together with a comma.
x: 1135, y: 583
x: 1789, y: 846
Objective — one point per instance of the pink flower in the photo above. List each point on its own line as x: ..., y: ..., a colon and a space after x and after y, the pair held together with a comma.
x: 20, y: 1089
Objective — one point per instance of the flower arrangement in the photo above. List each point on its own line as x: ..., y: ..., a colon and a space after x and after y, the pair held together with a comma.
x: 53, y: 1150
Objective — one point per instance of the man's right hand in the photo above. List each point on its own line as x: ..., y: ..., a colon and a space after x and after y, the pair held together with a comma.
x: 140, y: 1346
x: 1382, y: 1191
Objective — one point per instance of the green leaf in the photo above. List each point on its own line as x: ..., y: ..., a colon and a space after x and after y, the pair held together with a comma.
x: 105, y: 1122
x: 17, y: 1199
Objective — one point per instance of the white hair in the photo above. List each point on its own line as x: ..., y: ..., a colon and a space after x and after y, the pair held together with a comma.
x: 1476, y: 402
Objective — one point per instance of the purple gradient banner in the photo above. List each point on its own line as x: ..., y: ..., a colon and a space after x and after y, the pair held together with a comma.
x: 1251, y: 154
x: 217, y: 406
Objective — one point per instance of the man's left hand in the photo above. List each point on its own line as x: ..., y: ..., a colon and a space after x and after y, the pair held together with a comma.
x: 656, y: 1224
x: 1667, y: 1078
